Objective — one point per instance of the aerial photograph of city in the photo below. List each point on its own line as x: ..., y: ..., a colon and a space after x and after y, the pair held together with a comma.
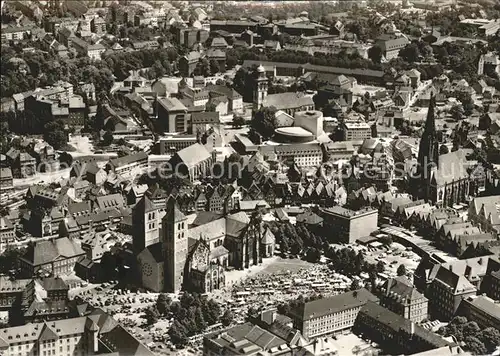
x: 256, y: 178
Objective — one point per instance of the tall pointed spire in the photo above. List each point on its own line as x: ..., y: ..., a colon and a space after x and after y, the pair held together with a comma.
x: 428, y: 149
x: 428, y: 154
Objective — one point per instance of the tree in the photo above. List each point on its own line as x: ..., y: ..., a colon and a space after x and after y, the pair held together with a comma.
x: 443, y: 150
x: 313, y: 255
x: 410, y: 53
x: 54, y: 134
x: 380, y: 267
x: 163, y: 303
x: 177, y: 333
x: 199, y: 319
x: 385, y: 240
x: 375, y: 54
x: 457, y: 112
x: 227, y: 318
x: 152, y: 315
x: 157, y: 70
x: 202, y: 68
x: 401, y: 270
x: 238, y: 121
x: 355, y: 285
x: 66, y: 159
x: 107, y: 138
x: 467, y: 103
x: 475, y: 345
x: 214, y: 67
x: 210, y: 106
x: 491, y: 338
x: 211, y: 312
x: 264, y: 122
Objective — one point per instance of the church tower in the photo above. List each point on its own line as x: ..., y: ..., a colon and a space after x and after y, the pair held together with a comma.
x: 428, y: 155
x: 175, y: 246
x: 145, y: 223
x: 260, y: 87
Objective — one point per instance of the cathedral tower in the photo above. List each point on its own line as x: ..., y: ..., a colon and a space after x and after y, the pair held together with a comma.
x: 146, y: 224
x: 175, y: 246
x: 428, y: 155
x: 260, y: 87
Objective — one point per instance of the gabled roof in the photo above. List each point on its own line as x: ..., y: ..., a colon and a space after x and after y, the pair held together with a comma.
x: 193, y: 155
x: 43, y: 252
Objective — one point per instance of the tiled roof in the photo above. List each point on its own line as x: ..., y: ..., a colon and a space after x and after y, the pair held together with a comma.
x: 396, y: 322
x: 326, y: 306
x: 43, y: 252
x: 193, y: 155
x: 122, y: 161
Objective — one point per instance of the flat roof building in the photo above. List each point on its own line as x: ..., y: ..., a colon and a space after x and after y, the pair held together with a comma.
x: 351, y: 225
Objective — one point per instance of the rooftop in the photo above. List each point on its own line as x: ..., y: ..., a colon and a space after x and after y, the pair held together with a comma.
x: 326, y: 306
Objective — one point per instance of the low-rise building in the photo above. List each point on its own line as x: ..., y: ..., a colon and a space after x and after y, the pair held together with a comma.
x: 483, y: 310
x: 391, y: 45
x: 15, y: 33
x: 128, y: 163
x: 174, y: 143
x: 6, y: 180
x: 93, y: 51
x: 328, y: 316
x: 396, y: 334
x: 350, y: 225
x: 7, y: 233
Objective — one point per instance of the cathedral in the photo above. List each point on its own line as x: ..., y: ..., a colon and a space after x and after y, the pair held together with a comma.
x: 439, y: 179
x: 172, y: 255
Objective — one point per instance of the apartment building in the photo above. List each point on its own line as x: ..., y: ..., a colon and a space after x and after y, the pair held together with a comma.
x: 350, y: 225
x: 87, y: 335
x: 401, y: 297
x: 332, y: 315
x: 353, y: 131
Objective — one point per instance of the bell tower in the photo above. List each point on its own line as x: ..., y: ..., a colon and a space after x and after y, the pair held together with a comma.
x: 260, y: 87
x: 175, y: 246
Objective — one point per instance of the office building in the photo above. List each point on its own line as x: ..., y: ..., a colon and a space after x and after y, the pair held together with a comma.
x: 328, y: 316
x: 350, y: 225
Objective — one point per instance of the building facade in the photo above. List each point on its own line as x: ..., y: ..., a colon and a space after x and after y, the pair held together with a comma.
x: 349, y: 224
x: 328, y: 316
